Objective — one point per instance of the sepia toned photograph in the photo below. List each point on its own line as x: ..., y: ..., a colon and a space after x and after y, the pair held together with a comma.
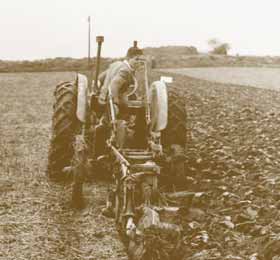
x: 139, y: 130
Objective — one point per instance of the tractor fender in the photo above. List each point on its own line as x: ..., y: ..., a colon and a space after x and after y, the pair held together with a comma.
x: 159, y: 106
x: 82, y: 97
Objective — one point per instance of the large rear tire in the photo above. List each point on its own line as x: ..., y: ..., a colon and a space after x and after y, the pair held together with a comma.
x: 174, y: 139
x: 175, y: 132
x: 65, y: 125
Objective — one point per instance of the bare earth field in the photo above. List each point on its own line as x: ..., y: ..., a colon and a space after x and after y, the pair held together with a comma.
x: 232, y: 160
x: 36, y: 221
x: 268, y: 78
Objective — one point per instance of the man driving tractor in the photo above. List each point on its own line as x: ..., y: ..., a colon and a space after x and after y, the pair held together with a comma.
x: 119, y: 77
x: 119, y: 81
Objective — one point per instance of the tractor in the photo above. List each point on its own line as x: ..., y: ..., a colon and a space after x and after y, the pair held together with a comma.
x: 137, y: 151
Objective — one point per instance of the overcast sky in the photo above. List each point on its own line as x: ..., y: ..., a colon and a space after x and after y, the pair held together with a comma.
x: 34, y: 29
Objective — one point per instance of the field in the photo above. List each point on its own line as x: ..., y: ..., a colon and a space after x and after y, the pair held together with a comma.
x: 36, y: 221
x: 268, y: 78
x: 232, y: 159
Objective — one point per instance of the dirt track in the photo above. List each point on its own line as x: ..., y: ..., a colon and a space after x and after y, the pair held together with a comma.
x: 36, y: 221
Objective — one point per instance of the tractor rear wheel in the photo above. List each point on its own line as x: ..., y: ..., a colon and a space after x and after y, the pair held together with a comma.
x: 174, y: 139
x: 65, y: 125
x: 175, y: 132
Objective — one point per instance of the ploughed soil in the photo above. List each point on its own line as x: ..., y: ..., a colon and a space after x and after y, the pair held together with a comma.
x: 232, y: 163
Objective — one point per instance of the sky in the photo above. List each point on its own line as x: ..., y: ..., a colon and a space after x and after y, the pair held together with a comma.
x: 37, y: 29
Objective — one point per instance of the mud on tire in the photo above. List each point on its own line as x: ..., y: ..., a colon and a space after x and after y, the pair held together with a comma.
x: 65, y: 126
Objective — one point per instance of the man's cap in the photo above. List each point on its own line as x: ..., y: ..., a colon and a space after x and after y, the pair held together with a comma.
x: 134, y: 51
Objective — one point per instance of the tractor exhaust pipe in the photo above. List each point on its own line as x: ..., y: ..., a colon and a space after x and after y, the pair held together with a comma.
x: 99, y: 40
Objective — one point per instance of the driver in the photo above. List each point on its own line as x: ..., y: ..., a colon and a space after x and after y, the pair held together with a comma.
x: 119, y: 77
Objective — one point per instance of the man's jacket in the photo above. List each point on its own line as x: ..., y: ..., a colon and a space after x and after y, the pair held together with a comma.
x: 119, y: 76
